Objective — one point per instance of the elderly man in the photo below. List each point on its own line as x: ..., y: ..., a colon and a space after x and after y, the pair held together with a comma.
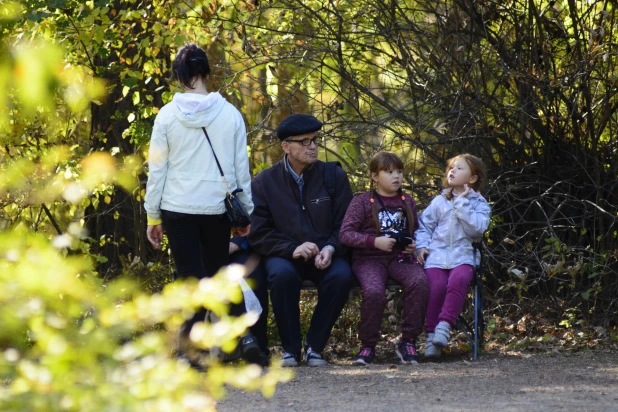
x: 300, y: 203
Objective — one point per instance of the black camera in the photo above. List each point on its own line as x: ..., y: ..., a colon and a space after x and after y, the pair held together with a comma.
x: 402, y: 239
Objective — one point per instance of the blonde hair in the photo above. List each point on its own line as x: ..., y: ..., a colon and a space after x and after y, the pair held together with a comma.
x: 388, y: 161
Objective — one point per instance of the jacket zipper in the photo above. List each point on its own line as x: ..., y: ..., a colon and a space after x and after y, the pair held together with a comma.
x: 302, y: 204
x: 317, y: 201
x: 450, y: 235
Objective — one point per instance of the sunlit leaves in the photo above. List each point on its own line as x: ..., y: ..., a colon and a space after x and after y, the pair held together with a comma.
x: 71, y: 339
x: 81, y: 88
x: 36, y: 73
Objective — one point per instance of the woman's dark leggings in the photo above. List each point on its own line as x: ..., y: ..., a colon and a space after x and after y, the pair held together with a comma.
x: 200, y: 247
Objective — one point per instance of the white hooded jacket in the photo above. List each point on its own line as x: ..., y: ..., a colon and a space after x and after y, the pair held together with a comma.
x: 447, y: 229
x: 183, y: 175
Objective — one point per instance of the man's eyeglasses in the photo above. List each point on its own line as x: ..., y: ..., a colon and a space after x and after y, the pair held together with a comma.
x: 307, y: 142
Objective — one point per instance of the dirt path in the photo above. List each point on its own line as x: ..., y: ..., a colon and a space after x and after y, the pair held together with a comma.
x: 580, y: 381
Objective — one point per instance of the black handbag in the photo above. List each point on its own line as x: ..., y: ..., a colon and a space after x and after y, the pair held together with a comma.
x: 234, y: 209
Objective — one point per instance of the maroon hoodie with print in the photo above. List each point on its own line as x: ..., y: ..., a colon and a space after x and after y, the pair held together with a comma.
x: 358, y: 229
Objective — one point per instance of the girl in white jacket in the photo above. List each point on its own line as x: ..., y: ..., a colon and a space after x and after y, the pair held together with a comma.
x: 185, y: 191
x: 447, y: 228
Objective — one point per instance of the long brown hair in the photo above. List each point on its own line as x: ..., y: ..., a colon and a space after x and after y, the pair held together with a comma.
x: 477, y: 167
x: 388, y: 161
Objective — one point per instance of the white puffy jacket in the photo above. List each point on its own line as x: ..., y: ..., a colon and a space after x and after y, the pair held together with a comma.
x: 183, y: 175
x: 447, y: 229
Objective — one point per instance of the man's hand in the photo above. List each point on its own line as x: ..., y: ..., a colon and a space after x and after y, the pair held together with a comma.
x: 154, y: 234
x: 410, y: 249
x: 324, y: 258
x: 306, y: 251
x: 241, y: 231
x: 421, y: 254
x: 234, y: 248
x: 385, y: 243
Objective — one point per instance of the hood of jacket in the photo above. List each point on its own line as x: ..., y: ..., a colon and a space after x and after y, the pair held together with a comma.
x: 197, y: 110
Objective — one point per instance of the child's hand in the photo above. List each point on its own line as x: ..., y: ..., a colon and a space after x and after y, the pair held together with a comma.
x: 410, y: 249
x: 385, y: 243
x: 465, y: 192
x: 241, y: 231
x: 420, y: 255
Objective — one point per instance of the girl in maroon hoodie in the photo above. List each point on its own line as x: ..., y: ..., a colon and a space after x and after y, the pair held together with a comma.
x: 379, y: 226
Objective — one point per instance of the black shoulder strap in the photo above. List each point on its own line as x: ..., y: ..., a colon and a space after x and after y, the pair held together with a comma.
x: 330, y: 170
x: 219, y: 166
x: 213, y: 152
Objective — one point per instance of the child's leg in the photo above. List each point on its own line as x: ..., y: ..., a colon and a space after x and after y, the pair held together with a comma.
x: 412, y: 278
x: 459, y: 280
x: 438, y: 281
x: 372, y: 275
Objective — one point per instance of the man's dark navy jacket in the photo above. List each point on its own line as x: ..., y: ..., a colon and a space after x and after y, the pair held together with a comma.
x: 282, y: 220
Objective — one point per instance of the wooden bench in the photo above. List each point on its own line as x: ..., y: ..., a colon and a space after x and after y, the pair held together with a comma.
x: 462, y: 324
x: 309, y: 285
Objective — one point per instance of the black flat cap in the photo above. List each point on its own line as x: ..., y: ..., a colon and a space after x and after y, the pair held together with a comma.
x: 296, y: 125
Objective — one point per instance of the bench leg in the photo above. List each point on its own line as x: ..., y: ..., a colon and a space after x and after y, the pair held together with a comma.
x: 477, y: 328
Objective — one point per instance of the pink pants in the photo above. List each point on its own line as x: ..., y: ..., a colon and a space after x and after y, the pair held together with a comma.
x: 447, y: 294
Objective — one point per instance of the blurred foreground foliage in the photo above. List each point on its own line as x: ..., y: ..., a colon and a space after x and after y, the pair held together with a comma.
x: 72, y: 343
x: 68, y: 339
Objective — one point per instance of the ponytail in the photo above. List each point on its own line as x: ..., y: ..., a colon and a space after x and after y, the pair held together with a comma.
x: 190, y: 62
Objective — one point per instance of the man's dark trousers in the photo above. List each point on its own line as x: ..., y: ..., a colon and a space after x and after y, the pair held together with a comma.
x: 285, y: 278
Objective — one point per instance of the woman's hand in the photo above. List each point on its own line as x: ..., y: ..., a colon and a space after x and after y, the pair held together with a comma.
x: 385, y: 243
x: 421, y: 254
x: 241, y: 231
x: 154, y: 233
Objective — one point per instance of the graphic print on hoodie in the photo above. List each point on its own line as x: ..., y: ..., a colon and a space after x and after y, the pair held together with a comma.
x: 392, y: 221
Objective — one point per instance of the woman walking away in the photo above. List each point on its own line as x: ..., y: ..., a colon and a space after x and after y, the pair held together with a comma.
x: 185, y: 191
x: 454, y: 219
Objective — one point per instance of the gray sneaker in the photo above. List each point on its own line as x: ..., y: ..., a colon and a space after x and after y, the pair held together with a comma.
x: 442, y: 334
x: 432, y: 351
x: 289, y: 360
x: 314, y: 359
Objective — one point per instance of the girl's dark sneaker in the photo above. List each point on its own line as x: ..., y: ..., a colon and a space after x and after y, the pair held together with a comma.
x: 365, y: 356
x: 406, y: 350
